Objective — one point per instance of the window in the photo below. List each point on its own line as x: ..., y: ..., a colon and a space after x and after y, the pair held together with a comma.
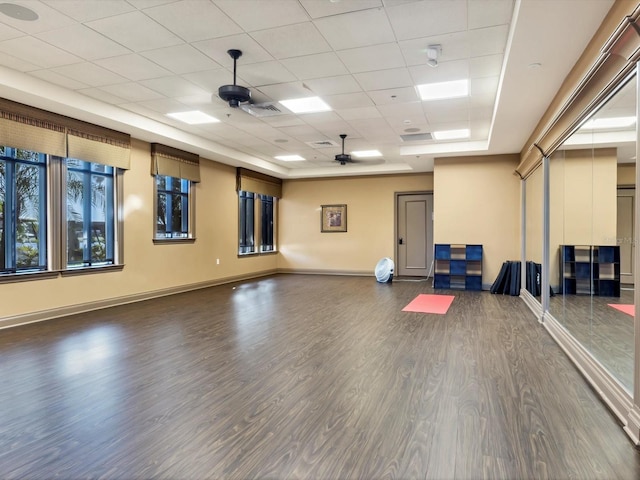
x: 172, y: 208
x: 250, y: 222
x: 247, y: 222
x: 23, y: 227
x: 90, y: 213
x: 266, y: 221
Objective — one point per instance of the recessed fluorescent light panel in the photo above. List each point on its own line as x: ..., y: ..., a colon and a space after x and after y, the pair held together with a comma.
x: 614, y: 122
x: 289, y: 158
x: 194, y: 117
x: 451, y: 134
x: 443, y: 90
x: 366, y: 153
x: 306, y: 105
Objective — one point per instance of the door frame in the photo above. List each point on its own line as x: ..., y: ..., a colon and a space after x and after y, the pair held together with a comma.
x: 396, y: 252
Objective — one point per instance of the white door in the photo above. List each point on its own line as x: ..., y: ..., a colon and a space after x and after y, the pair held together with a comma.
x: 414, y: 244
x: 626, y: 199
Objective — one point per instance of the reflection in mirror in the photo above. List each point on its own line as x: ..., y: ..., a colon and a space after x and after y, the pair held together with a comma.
x: 533, y: 229
x: 592, y: 190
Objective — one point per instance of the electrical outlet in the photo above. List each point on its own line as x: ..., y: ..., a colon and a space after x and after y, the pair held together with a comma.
x: 217, y: 261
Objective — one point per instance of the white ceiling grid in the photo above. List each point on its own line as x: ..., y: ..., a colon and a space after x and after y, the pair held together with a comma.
x: 363, y: 57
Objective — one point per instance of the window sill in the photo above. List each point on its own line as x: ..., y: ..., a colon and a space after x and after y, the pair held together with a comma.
x: 90, y: 270
x: 257, y: 254
x: 28, y: 276
x: 169, y: 241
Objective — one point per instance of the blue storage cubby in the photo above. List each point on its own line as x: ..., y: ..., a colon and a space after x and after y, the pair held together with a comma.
x: 590, y: 270
x: 458, y: 266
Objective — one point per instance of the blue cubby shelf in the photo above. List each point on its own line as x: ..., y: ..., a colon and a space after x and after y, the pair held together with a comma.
x: 590, y: 270
x: 458, y: 266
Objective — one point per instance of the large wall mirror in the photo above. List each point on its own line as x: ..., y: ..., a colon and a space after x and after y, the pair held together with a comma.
x: 591, y: 238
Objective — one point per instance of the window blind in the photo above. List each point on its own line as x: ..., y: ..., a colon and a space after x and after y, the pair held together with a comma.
x: 250, y: 181
x: 30, y: 128
x: 173, y: 162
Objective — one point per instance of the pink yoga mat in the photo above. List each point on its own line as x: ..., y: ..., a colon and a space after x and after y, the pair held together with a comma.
x: 628, y: 309
x: 426, y: 303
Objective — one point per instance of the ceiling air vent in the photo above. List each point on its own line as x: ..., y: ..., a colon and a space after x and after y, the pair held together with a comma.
x: 416, y: 137
x: 260, y: 110
x: 322, y: 144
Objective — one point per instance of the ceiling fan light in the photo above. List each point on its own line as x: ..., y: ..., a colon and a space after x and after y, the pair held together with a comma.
x: 306, y: 105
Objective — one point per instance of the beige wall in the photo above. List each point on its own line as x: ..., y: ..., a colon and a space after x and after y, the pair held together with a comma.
x: 583, y: 199
x: 370, y: 222
x: 626, y: 174
x: 150, y: 267
x: 477, y: 200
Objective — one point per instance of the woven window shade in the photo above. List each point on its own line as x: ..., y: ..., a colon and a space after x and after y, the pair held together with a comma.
x: 250, y: 181
x: 31, y: 129
x: 91, y: 143
x: 172, y: 162
x: 22, y: 126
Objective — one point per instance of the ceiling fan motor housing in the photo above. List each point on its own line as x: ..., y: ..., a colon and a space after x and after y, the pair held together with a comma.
x: 343, y: 158
x: 234, y: 94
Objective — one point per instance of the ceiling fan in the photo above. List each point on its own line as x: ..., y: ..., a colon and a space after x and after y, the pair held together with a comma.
x: 344, y: 158
x: 234, y: 94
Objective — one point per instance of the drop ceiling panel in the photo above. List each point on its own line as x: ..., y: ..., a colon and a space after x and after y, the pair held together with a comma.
x: 132, y: 92
x: 217, y: 49
x: 7, y: 32
x: 356, y: 29
x: 16, y: 63
x: 358, y: 113
x: 349, y: 100
x: 384, y: 79
x: 483, y: 91
x: 376, y: 57
x: 133, y: 67
x: 317, y: 9
x: 87, y: 10
x: 163, y: 106
x: 286, y: 91
x: 210, y: 79
x: 487, y: 66
x: 58, y: 79
x: 83, y: 42
x: 194, y: 20
x: 333, y: 85
x: 173, y: 87
x: 103, y: 96
x: 394, y: 95
x: 254, y: 15
x: 181, y: 59
x: 279, y: 41
x: 489, y: 13
x: 455, y: 46
x: 488, y: 41
x: 412, y: 20
x: 266, y: 73
x: 48, y: 19
x: 135, y: 31
x: 455, y: 110
x: 37, y: 52
x: 402, y: 110
x: 444, y: 72
x: 90, y: 74
x: 315, y: 66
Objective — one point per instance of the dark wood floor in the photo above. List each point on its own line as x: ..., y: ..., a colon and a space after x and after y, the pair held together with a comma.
x: 605, y: 332
x: 309, y: 377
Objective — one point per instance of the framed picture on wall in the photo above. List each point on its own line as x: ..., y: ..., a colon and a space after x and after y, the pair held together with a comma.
x: 333, y: 218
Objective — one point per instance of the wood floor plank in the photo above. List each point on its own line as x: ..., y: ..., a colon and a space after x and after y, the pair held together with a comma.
x: 302, y: 377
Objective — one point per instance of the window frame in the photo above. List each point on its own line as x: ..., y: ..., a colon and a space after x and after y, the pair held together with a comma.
x: 190, y: 196
x: 258, y: 245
